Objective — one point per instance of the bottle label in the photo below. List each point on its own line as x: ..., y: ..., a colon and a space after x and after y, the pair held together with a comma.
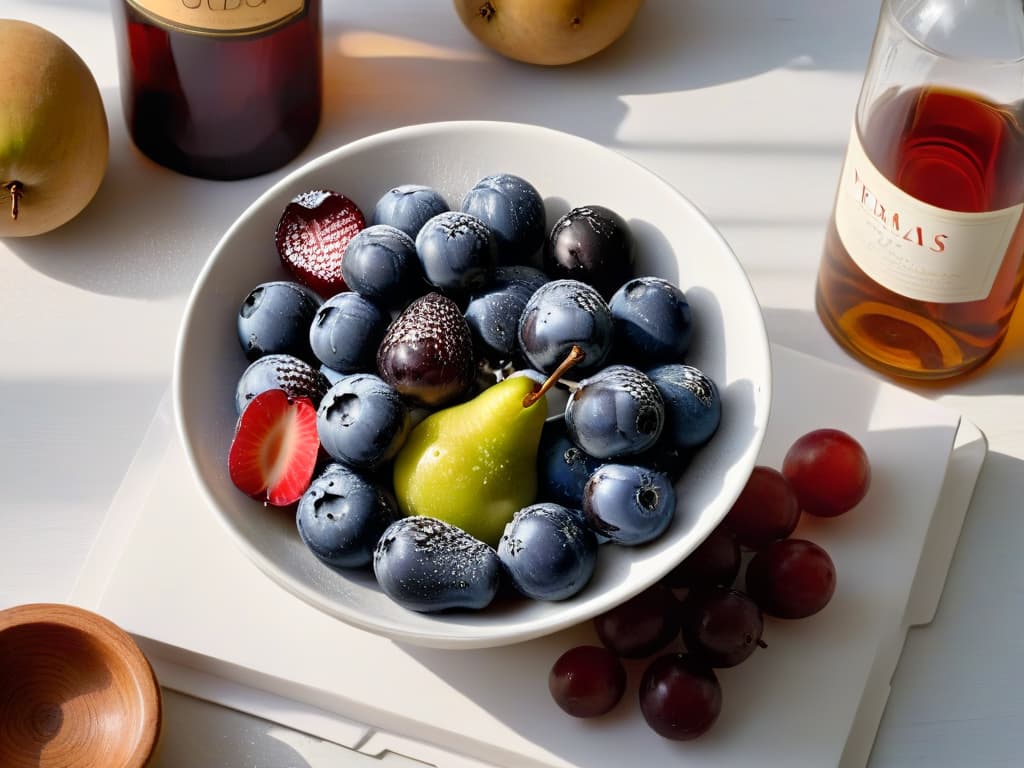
x: 912, y: 248
x: 220, y: 17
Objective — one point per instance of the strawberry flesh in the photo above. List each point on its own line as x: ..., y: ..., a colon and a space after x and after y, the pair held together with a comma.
x: 275, y: 448
x: 311, y: 237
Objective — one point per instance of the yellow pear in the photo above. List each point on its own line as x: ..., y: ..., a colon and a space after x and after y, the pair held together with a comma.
x: 548, y: 32
x: 54, y: 138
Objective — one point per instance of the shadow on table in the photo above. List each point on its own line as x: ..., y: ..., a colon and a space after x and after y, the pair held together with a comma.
x: 148, y: 231
x: 198, y: 733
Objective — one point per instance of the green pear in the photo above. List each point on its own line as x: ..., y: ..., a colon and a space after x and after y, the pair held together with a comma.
x: 474, y: 465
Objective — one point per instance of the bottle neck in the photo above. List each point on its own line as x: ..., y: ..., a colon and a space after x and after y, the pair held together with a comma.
x: 990, y: 31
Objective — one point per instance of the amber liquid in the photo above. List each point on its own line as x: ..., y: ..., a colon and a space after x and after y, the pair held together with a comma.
x: 220, y: 107
x: 957, y: 151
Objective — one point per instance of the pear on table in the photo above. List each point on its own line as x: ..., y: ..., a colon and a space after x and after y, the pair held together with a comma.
x: 474, y: 465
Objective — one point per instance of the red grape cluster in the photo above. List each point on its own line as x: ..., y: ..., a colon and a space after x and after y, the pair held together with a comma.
x: 825, y: 473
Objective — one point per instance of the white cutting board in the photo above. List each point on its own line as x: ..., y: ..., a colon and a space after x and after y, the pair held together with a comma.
x: 164, y: 569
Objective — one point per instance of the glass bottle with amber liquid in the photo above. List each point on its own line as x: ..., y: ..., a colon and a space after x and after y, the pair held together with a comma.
x: 220, y: 89
x: 922, y: 265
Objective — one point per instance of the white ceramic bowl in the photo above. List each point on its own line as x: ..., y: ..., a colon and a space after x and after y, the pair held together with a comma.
x: 673, y: 240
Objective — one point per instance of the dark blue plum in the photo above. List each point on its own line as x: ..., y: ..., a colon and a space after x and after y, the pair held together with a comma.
x: 274, y: 319
x: 493, y: 315
x: 408, y: 207
x: 653, y: 321
x: 562, y: 467
x: 514, y: 210
x: 457, y: 252
x: 593, y: 244
x: 381, y: 264
x: 296, y: 377
x: 665, y: 457
x: 346, y: 332
x: 342, y: 516
x: 629, y: 504
x: 562, y: 314
x: 616, y: 412
x: 693, y: 406
x: 362, y: 421
x: 427, y: 565
x: 548, y: 552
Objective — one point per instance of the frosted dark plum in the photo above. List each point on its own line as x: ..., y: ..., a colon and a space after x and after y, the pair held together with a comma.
x: 562, y: 314
x: 693, y: 405
x: 493, y: 315
x: 592, y: 244
x: 616, y: 412
x: 427, y: 565
x: 381, y: 264
x: 342, y: 515
x: 562, y: 468
x: 629, y: 504
x: 346, y: 332
x: 548, y: 552
x: 653, y: 321
x: 514, y: 211
x: 362, y: 421
x: 286, y: 372
x: 274, y: 318
x: 408, y: 207
x: 457, y: 252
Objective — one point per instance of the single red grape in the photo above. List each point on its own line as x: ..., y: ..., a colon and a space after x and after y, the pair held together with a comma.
x: 642, y: 625
x: 721, y: 626
x: 715, y: 562
x: 829, y: 471
x: 587, y: 681
x: 791, y: 579
x: 680, y: 696
x: 766, y: 509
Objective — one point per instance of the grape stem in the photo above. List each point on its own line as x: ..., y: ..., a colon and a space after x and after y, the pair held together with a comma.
x: 575, y: 355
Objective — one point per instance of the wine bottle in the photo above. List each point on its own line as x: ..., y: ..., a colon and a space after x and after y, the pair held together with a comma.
x: 220, y: 89
x: 922, y: 264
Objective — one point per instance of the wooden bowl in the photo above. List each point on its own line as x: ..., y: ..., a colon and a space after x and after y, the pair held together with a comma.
x: 75, y: 691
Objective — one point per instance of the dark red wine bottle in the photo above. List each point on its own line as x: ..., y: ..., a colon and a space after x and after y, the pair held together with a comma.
x: 221, y: 89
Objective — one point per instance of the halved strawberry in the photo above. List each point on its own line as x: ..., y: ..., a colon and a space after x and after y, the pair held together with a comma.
x: 312, y: 235
x: 275, y: 448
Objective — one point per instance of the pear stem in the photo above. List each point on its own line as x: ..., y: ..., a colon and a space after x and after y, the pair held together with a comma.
x: 17, y: 189
x: 575, y: 355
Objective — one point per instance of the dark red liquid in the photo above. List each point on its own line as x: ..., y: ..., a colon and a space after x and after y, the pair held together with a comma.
x: 220, y: 107
x: 957, y: 151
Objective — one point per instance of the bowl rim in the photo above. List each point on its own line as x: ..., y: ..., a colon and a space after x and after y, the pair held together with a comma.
x: 119, y: 645
x: 443, y: 637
